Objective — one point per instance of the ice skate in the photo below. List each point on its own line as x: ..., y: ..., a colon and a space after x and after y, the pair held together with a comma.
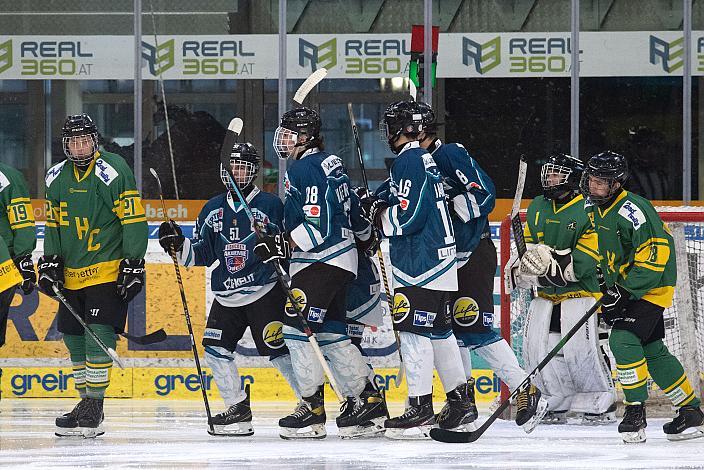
x: 554, y: 417
x: 365, y: 416
x: 307, y: 421
x: 531, y: 408
x: 460, y: 410
x: 415, y: 422
x: 600, y: 419
x: 632, y: 427
x: 90, y: 418
x: 687, y: 424
x: 67, y: 424
x: 235, y: 421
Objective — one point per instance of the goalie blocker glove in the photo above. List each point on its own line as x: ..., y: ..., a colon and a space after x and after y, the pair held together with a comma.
x: 549, y: 267
x: 130, y: 278
x: 51, y: 271
x: 271, y: 247
x: 171, y: 235
x: 29, y: 277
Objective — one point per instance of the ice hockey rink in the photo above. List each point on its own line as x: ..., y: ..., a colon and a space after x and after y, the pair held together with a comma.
x: 172, y: 434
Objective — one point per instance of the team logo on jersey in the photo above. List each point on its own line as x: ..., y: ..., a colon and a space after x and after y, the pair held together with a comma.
x: 236, y: 255
x: 301, y: 301
x: 316, y: 314
x: 423, y: 319
x: 572, y: 225
x: 273, y: 335
x: 465, y: 311
x: 401, y: 308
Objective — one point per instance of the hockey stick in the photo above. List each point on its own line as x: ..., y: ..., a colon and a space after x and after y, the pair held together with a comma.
x: 398, y: 380
x: 109, y: 351
x: 309, y: 83
x: 518, y: 237
x: 445, y: 435
x: 412, y: 90
x: 233, y: 131
x: 151, y: 338
x: 186, y: 314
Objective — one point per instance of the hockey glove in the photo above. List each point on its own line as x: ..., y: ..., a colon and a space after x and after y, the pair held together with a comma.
x: 372, y: 208
x: 51, y: 271
x: 130, y: 278
x: 613, y: 304
x: 552, y: 267
x: 271, y: 247
x: 170, y: 235
x: 29, y: 277
x: 514, y: 278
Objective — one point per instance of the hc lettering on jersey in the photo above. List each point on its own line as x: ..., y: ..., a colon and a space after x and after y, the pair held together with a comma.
x: 316, y: 314
x: 423, y: 319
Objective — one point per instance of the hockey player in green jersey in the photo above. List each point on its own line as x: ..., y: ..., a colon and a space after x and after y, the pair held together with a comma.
x: 561, y: 262
x: 638, y: 264
x: 94, y: 246
x: 19, y: 236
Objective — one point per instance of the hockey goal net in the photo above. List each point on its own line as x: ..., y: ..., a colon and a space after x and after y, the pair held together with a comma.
x: 684, y: 321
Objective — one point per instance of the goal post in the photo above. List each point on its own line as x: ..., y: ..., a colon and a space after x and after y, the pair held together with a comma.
x: 684, y: 321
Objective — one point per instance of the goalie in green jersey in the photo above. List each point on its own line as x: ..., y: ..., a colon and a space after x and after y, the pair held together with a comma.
x: 94, y: 246
x: 561, y: 260
x: 639, y: 277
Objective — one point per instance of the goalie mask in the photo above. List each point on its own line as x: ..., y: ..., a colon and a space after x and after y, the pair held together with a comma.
x: 561, y: 176
x: 79, y: 137
x: 604, y: 177
x: 299, y: 127
x: 401, y: 118
x: 245, y: 163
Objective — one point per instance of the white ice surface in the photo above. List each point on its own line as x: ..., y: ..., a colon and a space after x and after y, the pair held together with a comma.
x: 172, y: 434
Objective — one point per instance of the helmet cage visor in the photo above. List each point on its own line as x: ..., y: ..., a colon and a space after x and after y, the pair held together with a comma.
x: 607, y: 181
x: 80, y: 149
x: 285, y: 141
x: 553, y: 175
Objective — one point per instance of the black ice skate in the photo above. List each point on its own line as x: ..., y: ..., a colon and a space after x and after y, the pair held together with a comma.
x: 363, y: 416
x: 531, y: 408
x: 67, y: 424
x: 235, y: 421
x: 460, y: 410
x: 599, y: 419
x: 555, y: 417
x: 90, y: 417
x: 632, y: 427
x: 310, y: 413
x: 415, y: 423
x: 690, y: 419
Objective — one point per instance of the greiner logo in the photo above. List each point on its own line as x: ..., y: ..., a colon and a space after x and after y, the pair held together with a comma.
x: 23, y: 383
x: 166, y: 384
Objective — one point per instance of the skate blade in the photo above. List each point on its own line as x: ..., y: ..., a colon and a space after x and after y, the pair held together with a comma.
x: 552, y: 421
x: 685, y: 436
x: 92, y: 433
x: 372, y: 428
x: 314, y: 431
x: 602, y: 421
x: 540, y: 413
x: 415, y: 433
x: 68, y: 432
x: 242, y: 429
x: 633, y: 437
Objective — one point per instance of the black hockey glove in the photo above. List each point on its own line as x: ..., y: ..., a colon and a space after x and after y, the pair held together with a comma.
x: 372, y: 208
x: 271, y: 247
x: 51, y: 271
x: 29, y: 277
x: 613, y: 304
x: 130, y: 278
x: 170, y: 235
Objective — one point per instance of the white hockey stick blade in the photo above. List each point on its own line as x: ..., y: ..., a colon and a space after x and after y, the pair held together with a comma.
x: 310, y: 83
x: 412, y: 89
x: 522, y: 170
x: 236, y: 126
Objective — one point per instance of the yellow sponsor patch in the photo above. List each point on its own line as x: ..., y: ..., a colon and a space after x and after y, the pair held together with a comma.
x: 465, y: 311
x: 273, y: 335
x: 301, y: 301
x: 401, y: 308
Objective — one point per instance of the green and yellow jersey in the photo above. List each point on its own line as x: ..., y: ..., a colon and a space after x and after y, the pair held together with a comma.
x: 637, y: 248
x: 9, y: 274
x: 562, y: 226
x: 95, y: 218
x: 16, y: 214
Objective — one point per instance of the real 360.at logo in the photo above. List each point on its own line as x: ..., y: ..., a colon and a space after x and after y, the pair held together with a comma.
x: 368, y: 56
x: 208, y: 57
x: 525, y: 54
x: 53, y: 58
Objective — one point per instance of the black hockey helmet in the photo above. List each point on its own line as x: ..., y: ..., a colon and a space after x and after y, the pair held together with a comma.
x: 401, y: 118
x: 608, y: 166
x: 79, y: 137
x: 561, y: 175
x: 296, y: 123
x: 245, y: 162
x: 430, y: 124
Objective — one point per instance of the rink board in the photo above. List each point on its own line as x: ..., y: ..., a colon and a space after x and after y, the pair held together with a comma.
x: 182, y: 383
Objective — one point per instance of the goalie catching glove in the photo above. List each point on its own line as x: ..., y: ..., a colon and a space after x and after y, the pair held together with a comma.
x: 271, y: 247
x: 540, y: 266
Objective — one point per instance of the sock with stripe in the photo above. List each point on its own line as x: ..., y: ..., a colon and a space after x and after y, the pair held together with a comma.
x: 98, y: 363
x: 77, y: 350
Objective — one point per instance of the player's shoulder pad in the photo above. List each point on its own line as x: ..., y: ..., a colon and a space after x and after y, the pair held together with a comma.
x: 53, y: 173
x: 632, y: 213
x: 330, y: 164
